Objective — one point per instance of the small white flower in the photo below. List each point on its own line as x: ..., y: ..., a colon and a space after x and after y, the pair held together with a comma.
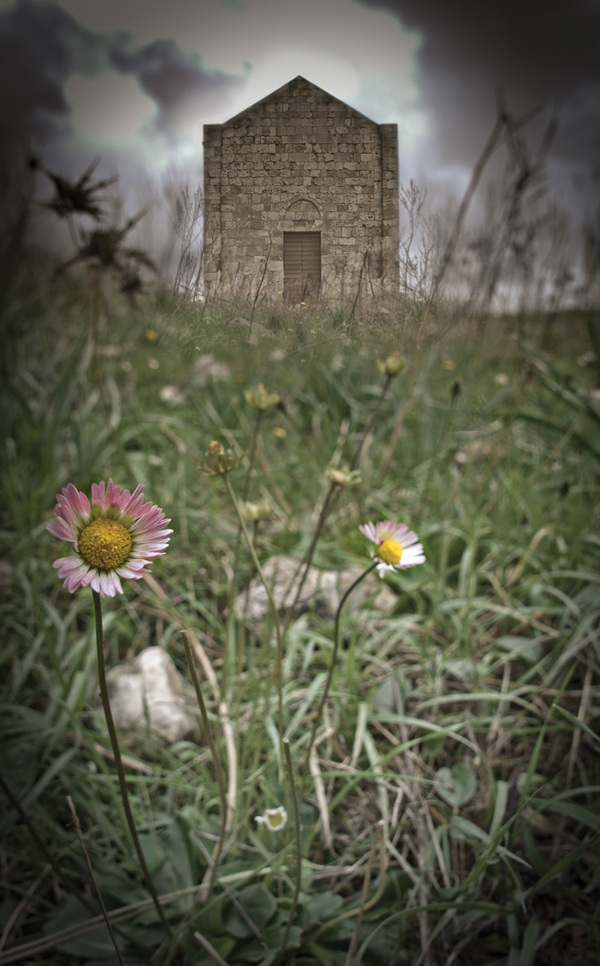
x: 274, y: 818
x: 396, y: 545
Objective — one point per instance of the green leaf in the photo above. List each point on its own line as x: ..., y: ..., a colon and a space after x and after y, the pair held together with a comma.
x: 193, y: 953
x: 254, y: 907
x: 326, y: 956
x: 95, y: 944
x: 462, y: 829
x: 180, y: 850
x: 209, y: 916
x: 386, y: 696
x: 457, y: 785
x: 266, y: 949
x: 523, y: 647
x: 578, y: 813
x: 323, y: 907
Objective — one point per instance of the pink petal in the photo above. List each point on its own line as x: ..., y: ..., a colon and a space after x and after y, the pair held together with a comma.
x: 368, y: 529
x: 132, y: 504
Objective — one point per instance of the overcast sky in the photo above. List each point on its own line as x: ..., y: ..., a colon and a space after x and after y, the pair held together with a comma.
x: 133, y: 81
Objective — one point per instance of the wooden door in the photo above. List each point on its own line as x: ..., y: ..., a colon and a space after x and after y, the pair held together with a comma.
x: 301, y: 265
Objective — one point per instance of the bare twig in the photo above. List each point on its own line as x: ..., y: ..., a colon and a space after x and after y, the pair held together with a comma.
x: 93, y: 879
x: 226, y: 814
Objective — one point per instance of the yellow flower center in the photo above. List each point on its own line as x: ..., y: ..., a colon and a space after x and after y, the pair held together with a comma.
x: 390, y: 551
x: 104, y: 544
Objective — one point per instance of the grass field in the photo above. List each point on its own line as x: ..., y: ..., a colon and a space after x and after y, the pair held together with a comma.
x: 449, y: 811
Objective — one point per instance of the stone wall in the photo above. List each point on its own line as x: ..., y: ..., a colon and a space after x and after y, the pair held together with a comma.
x: 300, y: 160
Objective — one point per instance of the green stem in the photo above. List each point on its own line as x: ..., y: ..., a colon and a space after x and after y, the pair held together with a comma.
x: 231, y: 662
x: 308, y: 556
x: 332, y: 663
x: 215, y: 757
x: 252, y: 455
x: 93, y: 880
x: 298, y: 844
x: 330, y: 496
x: 112, y: 731
x: 371, y: 422
x: 276, y: 621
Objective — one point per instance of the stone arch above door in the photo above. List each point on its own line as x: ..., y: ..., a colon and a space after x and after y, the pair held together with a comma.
x: 302, y: 214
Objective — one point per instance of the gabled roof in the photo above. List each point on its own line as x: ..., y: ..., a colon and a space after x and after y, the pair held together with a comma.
x: 288, y: 90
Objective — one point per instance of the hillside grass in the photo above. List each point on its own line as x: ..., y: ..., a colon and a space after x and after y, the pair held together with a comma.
x: 450, y: 813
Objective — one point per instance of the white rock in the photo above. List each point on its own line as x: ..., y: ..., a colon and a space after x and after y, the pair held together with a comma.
x: 148, y: 695
x: 322, y: 591
x: 206, y: 370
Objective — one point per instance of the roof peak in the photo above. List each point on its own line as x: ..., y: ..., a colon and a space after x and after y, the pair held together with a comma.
x: 298, y: 77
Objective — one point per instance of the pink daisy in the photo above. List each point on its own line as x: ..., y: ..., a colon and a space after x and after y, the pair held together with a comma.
x: 115, y: 537
x: 396, y: 545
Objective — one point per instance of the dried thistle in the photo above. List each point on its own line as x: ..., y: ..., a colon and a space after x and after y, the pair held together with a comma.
x: 74, y: 197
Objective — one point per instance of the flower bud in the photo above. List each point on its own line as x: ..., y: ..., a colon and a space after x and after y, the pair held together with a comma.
x: 393, y: 365
x: 342, y: 475
x: 220, y: 460
x: 260, y: 398
x: 255, y: 511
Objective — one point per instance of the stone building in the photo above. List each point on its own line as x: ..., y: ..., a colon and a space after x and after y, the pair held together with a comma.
x: 300, y: 200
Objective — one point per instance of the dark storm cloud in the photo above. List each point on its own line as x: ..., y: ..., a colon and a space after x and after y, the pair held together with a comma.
x: 536, y: 53
x: 176, y: 81
x: 40, y: 46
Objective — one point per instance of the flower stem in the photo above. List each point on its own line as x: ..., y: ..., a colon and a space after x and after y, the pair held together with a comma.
x: 330, y: 497
x: 112, y: 731
x: 226, y: 818
x: 332, y: 663
x: 371, y: 422
x: 93, y: 879
x: 298, y: 844
x: 304, y: 566
x: 233, y: 665
x: 276, y: 620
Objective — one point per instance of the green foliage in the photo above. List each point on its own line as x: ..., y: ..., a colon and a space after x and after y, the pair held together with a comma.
x: 451, y: 804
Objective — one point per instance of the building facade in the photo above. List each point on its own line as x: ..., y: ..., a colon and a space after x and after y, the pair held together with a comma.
x: 300, y: 200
